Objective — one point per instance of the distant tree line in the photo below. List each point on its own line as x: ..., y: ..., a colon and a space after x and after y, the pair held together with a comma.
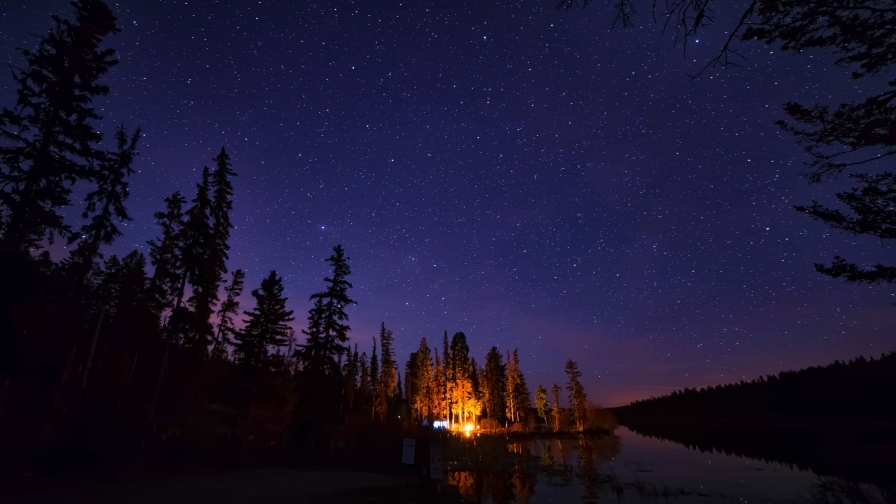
x: 792, y: 418
x: 860, y: 388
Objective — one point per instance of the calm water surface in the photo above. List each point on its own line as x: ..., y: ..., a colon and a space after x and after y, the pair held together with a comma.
x: 631, y: 468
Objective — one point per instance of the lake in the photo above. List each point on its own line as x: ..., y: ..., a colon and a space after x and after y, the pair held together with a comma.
x: 628, y: 467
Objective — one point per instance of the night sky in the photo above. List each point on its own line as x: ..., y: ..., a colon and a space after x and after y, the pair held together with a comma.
x: 519, y: 173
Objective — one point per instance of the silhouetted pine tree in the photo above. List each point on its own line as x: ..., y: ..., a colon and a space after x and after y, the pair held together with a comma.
x: 410, y: 383
x: 350, y: 372
x: 166, y: 254
x: 388, y: 370
x: 494, y: 386
x: 873, y: 206
x: 577, y: 397
x: 327, y: 332
x: 363, y: 378
x: 518, y: 397
x: 374, y: 380
x: 199, y: 253
x: 523, y: 396
x: 48, y: 141
x: 862, y: 35
x: 222, y: 205
x: 266, y: 326
x: 105, y: 204
x: 228, y: 309
x: 556, y: 411
x: 422, y: 403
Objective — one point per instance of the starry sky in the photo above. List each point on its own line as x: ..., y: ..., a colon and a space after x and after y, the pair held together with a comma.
x: 519, y: 173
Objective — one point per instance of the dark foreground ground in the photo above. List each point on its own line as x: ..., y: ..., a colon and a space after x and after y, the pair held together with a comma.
x: 258, y: 486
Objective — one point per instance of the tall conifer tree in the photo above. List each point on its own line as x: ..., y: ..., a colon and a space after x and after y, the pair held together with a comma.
x: 459, y: 379
x: 105, y: 203
x: 374, y: 380
x: 199, y: 253
x: 48, y: 141
x: 266, y: 325
x: 446, y: 376
x: 388, y: 379
x: 541, y: 402
x: 423, y: 381
x: 222, y: 205
x: 577, y: 395
x: 494, y: 384
x: 363, y: 377
x: 166, y: 254
x: 327, y: 332
x: 439, y: 399
x: 556, y: 411
x: 228, y: 309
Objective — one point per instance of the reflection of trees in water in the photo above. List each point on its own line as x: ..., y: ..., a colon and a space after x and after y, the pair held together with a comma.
x: 524, y: 486
x: 837, y: 491
x: 547, y: 459
x: 866, y: 458
x: 588, y: 470
x: 491, y: 469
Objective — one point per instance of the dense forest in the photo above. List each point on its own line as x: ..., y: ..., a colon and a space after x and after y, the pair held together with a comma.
x: 153, y: 357
x: 861, y: 387
x: 835, y: 420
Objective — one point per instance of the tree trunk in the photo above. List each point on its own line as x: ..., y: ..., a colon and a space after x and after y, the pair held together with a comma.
x: 96, y: 334
x: 127, y: 388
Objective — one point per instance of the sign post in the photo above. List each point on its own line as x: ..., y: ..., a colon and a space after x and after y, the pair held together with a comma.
x: 408, y: 447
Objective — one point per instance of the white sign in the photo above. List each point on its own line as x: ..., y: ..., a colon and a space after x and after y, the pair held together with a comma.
x: 407, y: 450
x: 436, y: 471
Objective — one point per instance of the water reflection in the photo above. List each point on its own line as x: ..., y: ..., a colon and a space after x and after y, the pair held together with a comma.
x: 494, y: 470
x: 630, y: 468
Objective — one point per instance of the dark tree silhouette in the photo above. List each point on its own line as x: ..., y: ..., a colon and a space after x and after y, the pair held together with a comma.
x: 577, y: 397
x: 222, y: 205
x: 48, y: 141
x: 873, y: 206
x: 374, y: 380
x: 105, y: 204
x: 363, y: 377
x: 418, y: 381
x: 166, y: 254
x: 388, y: 374
x: 862, y: 34
x: 327, y: 332
x: 351, y: 373
x: 518, y: 400
x: 228, y: 309
x: 556, y: 411
x: 199, y: 253
x: 266, y: 325
x: 494, y: 384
